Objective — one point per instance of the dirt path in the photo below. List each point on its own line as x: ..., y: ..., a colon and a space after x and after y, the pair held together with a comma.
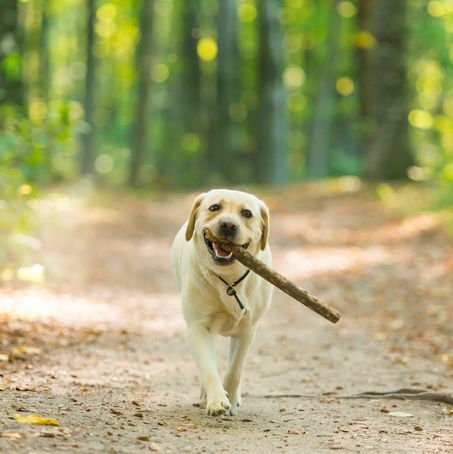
x: 113, y: 364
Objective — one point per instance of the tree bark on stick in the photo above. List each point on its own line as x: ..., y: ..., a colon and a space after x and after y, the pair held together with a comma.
x: 276, y: 279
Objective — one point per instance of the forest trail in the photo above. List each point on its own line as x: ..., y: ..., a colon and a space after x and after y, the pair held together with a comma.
x: 101, y: 345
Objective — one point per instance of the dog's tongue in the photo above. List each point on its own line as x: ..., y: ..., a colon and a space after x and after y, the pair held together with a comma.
x: 221, y: 252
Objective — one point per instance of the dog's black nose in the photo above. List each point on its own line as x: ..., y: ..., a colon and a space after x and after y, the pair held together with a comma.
x: 228, y: 228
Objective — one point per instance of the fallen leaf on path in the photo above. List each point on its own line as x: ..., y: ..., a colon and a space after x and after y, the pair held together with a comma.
x: 154, y: 447
x: 296, y: 432
x: 6, y: 384
x: 4, y: 358
x: 447, y: 358
x: 15, y: 435
x: 36, y: 419
x: 143, y: 438
x: 401, y: 414
x: 24, y: 350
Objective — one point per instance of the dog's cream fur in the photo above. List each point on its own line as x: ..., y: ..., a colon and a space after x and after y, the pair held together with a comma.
x: 207, y: 308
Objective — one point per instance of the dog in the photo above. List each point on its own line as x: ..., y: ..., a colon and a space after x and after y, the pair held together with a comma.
x: 219, y: 295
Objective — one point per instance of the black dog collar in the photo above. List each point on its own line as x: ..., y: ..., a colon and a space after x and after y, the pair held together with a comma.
x: 230, y: 288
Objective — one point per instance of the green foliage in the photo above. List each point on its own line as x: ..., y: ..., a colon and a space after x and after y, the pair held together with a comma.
x: 183, y: 124
x: 29, y: 156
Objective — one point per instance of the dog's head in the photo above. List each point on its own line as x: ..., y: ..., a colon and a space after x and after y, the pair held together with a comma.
x: 238, y: 216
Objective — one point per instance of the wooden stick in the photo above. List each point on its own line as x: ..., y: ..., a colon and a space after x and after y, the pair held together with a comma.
x: 275, y: 278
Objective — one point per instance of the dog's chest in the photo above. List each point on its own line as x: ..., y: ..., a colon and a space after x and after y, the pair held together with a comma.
x: 226, y: 324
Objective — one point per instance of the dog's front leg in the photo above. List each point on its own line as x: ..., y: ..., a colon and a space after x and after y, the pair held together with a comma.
x: 239, y: 348
x: 202, y: 343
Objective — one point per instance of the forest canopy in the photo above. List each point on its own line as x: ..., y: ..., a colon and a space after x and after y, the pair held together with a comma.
x: 175, y: 93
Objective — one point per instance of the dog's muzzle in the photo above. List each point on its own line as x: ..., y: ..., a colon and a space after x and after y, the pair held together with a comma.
x: 219, y: 255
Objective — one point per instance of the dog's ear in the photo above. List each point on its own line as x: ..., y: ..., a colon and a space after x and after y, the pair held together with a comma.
x: 264, y: 225
x: 193, y: 217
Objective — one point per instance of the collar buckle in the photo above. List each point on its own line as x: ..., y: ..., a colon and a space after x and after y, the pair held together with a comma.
x: 230, y: 290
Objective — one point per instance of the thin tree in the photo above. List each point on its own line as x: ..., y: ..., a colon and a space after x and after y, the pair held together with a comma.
x: 143, y: 65
x: 183, y: 117
x: 228, y: 88
x: 45, y: 76
x: 318, y: 159
x: 87, y: 136
x: 365, y: 72
x: 272, y: 121
x: 389, y: 154
x: 11, y: 86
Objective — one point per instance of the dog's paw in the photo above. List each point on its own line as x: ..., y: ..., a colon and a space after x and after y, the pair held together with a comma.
x: 235, y: 403
x: 218, y: 407
x: 233, y: 411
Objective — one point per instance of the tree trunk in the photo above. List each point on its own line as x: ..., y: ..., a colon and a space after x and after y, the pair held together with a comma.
x: 45, y: 76
x: 228, y: 89
x: 11, y: 86
x: 365, y: 75
x: 318, y: 159
x: 272, y: 120
x: 87, y: 139
x: 143, y: 63
x: 190, y: 68
x: 389, y: 154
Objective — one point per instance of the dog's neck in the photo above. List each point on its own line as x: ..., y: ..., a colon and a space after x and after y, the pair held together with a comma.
x: 229, y: 273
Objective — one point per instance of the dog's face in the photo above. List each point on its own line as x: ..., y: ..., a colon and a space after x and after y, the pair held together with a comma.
x: 238, y: 216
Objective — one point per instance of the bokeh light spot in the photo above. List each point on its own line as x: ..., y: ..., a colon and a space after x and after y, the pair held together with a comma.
x: 420, y: 119
x: 247, y: 12
x: 24, y: 189
x: 191, y: 142
x: 103, y: 163
x: 345, y: 86
x: 207, y: 49
x: 364, y: 40
x: 294, y: 76
x: 159, y: 72
x: 347, y: 9
x: 106, y: 12
x: 416, y: 173
x: 436, y: 8
x: 293, y: 43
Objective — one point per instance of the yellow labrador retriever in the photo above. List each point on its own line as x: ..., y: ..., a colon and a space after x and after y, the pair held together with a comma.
x: 219, y: 294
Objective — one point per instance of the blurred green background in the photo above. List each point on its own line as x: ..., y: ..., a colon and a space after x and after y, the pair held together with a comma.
x: 172, y: 94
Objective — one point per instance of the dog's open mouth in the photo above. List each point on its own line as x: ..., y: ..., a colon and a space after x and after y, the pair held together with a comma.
x: 219, y: 255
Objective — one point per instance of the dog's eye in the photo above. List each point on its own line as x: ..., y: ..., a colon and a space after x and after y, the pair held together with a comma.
x: 215, y: 207
x: 246, y: 213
